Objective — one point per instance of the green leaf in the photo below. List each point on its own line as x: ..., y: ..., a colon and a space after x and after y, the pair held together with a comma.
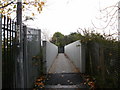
x: 14, y: 6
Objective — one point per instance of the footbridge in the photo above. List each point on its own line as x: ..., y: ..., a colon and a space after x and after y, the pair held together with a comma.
x: 28, y: 62
x: 23, y: 59
x: 63, y: 70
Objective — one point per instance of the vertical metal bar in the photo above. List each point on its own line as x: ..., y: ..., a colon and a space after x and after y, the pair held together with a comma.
x: 12, y: 28
x: 11, y: 60
x: 15, y: 30
x: 7, y: 56
x: 10, y: 39
x: 14, y: 48
x: 12, y: 57
x: 4, y: 55
x: 0, y: 52
x: 7, y: 36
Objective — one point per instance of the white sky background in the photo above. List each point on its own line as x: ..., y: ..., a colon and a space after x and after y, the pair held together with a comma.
x: 67, y: 16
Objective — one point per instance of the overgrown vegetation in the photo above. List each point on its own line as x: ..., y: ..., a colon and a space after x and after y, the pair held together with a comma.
x: 102, y: 59
x: 102, y: 56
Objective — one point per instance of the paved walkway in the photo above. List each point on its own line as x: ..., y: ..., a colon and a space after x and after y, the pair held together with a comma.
x: 62, y: 65
x: 63, y: 75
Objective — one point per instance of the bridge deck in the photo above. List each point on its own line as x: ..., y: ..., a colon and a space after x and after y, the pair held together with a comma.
x: 63, y: 75
x: 62, y: 65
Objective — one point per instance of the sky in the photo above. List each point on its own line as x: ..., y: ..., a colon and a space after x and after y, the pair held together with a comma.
x: 67, y: 16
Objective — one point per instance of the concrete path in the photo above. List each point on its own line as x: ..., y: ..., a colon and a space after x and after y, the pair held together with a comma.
x: 63, y: 75
x: 62, y: 65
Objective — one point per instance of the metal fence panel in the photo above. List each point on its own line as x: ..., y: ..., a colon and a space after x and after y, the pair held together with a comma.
x: 32, y: 52
x: 50, y: 52
x: 8, y: 52
x: 76, y: 52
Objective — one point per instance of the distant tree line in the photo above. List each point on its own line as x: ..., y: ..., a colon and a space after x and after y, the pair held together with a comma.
x: 60, y: 39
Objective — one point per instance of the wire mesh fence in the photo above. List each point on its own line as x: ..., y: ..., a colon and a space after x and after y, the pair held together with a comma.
x: 103, y: 62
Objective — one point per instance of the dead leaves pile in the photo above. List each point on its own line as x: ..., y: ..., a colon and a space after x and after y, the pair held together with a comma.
x: 39, y: 83
x: 90, y: 82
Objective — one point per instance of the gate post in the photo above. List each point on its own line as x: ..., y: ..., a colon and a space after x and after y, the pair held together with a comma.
x: 0, y: 51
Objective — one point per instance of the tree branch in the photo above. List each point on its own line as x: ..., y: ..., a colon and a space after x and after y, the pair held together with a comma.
x: 6, y: 5
x: 106, y: 16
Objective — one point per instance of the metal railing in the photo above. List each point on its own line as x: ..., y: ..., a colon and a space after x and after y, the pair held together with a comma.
x: 8, y: 52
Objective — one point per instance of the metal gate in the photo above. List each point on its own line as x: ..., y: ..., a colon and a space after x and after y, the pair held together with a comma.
x: 32, y: 55
x: 9, y: 51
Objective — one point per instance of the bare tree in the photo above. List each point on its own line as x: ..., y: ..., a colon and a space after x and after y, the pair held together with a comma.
x: 108, y: 18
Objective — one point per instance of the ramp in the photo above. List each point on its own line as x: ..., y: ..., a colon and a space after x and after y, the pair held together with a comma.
x: 62, y: 65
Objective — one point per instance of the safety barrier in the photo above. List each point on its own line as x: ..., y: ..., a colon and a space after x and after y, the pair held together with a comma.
x: 50, y: 51
x: 76, y: 53
x: 9, y: 51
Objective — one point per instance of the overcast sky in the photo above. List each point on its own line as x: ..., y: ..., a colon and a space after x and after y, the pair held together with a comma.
x: 67, y: 16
